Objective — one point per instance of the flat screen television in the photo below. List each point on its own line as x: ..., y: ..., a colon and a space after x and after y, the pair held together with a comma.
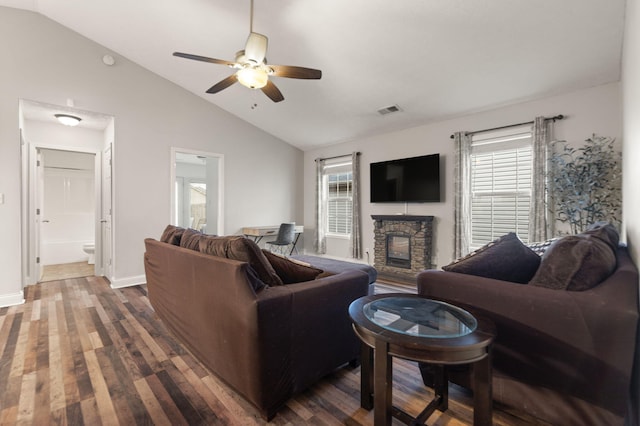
x: 415, y: 179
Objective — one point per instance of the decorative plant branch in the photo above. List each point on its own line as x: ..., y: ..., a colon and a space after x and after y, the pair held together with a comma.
x: 585, y: 184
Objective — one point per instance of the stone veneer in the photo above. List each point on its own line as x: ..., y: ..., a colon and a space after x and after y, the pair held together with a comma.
x: 420, y: 231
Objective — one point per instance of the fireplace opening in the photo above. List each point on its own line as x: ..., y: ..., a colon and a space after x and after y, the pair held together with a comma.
x: 399, y: 251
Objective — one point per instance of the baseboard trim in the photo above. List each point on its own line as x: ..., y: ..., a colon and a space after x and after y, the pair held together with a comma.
x: 128, y: 282
x: 11, y: 299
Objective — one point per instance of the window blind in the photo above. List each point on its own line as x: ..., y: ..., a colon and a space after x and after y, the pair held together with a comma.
x: 501, y: 179
x: 339, y: 203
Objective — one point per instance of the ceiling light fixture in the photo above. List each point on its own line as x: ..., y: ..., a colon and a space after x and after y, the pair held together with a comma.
x: 253, y: 78
x: 68, y: 120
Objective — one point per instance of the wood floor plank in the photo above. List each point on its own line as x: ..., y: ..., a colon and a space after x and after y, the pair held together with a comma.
x: 10, y: 398
x: 90, y: 413
x: 26, y: 404
x: 67, y: 354
x: 56, y: 375
x: 154, y: 408
x: 17, y: 366
x: 143, y: 348
x: 168, y: 405
x: 9, y: 416
x: 117, y: 393
x: 42, y: 403
x: 126, y: 386
x: 78, y: 352
x: 221, y: 414
x: 101, y: 392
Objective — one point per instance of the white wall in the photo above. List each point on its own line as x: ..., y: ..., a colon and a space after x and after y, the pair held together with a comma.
x: 45, y: 62
x: 595, y: 110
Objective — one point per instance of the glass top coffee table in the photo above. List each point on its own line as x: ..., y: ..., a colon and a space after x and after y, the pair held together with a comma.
x: 412, y: 327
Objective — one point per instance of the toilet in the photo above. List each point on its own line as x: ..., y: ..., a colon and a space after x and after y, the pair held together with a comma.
x: 90, y: 249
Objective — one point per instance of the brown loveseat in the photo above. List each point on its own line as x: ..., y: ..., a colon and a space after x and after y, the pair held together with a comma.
x: 267, y: 342
x: 563, y: 356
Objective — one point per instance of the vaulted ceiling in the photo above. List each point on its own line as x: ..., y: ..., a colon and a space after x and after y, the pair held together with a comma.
x: 434, y: 59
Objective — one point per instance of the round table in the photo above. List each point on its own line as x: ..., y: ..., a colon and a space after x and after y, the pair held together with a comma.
x: 415, y: 328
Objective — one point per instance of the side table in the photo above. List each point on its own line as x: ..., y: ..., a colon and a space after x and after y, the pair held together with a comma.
x: 415, y: 328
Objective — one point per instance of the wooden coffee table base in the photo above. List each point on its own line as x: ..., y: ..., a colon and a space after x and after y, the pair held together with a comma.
x: 377, y: 380
x: 382, y: 322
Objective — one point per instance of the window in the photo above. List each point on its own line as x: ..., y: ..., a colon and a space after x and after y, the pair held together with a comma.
x: 501, y: 180
x: 339, y: 203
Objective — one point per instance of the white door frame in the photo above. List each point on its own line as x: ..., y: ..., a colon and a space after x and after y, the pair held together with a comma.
x: 220, y: 225
x: 30, y: 191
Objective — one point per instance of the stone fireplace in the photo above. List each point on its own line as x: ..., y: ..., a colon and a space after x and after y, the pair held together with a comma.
x: 402, y: 246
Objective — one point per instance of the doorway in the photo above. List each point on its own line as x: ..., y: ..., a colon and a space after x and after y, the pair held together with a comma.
x: 66, y: 193
x: 67, y: 204
x: 196, y: 190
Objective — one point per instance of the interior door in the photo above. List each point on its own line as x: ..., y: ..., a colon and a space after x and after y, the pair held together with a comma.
x: 40, y: 221
x: 106, y: 217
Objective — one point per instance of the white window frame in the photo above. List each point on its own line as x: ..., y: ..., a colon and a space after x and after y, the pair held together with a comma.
x: 338, y: 169
x: 501, y: 177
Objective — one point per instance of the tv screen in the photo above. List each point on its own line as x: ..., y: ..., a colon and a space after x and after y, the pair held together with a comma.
x: 415, y: 179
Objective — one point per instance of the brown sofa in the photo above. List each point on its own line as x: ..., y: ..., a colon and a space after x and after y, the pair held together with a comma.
x: 563, y: 356
x: 267, y: 342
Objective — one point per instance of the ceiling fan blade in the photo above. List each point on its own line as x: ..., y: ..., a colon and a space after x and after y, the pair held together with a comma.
x: 273, y: 92
x: 203, y: 58
x: 256, y: 47
x: 295, y: 72
x: 223, y: 84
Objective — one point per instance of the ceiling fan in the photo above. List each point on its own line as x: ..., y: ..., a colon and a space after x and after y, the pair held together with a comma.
x: 253, y: 70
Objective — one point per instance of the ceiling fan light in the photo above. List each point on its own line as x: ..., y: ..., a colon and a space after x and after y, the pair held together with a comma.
x: 68, y: 120
x: 253, y: 78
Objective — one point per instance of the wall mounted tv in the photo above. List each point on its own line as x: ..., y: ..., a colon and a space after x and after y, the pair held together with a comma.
x: 415, y: 179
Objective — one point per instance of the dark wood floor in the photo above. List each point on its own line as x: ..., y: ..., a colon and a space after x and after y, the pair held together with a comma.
x: 78, y: 352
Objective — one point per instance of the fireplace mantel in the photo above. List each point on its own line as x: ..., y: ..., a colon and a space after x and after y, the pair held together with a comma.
x: 401, y: 218
x: 418, y: 230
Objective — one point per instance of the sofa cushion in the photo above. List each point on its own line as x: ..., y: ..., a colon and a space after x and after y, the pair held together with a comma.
x: 172, y: 235
x: 579, y: 262
x: 291, y: 271
x: 191, y: 239
x: 505, y: 258
x: 214, y: 245
x: 239, y: 248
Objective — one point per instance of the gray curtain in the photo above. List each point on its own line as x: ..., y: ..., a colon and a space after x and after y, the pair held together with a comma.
x: 320, y: 240
x: 540, y: 227
x: 356, y: 219
x: 462, y: 209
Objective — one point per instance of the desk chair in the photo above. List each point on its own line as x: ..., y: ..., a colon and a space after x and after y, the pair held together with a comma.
x: 286, y: 236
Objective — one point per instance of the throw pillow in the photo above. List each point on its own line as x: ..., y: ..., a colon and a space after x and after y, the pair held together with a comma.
x: 506, y: 259
x: 191, y: 239
x: 291, y: 271
x: 579, y: 262
x: 245, y: 250
x: 606, y: 232
x: 172, y: 235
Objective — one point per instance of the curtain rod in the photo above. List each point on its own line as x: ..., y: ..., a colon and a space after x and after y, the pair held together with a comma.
x: 554, y: 118
x: 336, y: 156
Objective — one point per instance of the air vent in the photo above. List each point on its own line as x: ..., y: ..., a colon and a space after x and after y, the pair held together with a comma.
x: 389, y: 110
